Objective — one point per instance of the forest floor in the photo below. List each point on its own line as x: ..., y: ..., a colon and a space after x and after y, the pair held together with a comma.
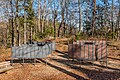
x: 60, y: 68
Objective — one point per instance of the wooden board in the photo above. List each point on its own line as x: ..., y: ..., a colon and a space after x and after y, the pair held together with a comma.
x: 4, y: 64
x: 5, y: 69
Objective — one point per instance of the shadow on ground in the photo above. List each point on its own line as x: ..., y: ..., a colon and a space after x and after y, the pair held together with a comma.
x: 114, y: 58
x: 92, y: 74
x: 25, y: 61
x: 78, y: 77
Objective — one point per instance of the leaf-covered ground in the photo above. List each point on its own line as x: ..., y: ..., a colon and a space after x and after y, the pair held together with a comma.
x: 60, y: 68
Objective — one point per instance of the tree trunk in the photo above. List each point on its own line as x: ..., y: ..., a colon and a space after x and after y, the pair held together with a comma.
x: 54, y: 29
x: 64, y: 29
x: 17, y: 24
x: 59, y: 29
x: 80, y: 15
x: 105, y: 2
x: 112, y: 19
x: 44, y: 17
x: 39, y: 18
x: 119, y: 22
x: 62, y: 23
x: 31, y: 34
x: 94, y: 18
x: 12, y: 24
x: 25, y: 33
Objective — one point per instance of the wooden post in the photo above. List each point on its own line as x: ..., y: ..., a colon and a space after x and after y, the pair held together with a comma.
x: 92, y: 54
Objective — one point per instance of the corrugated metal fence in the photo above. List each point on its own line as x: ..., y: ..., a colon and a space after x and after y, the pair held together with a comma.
x: 35, y: 50
x: 88, y: 50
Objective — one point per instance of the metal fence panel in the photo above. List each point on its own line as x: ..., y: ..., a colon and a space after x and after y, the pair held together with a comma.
x: 33, y: 50
x: 87, y: 50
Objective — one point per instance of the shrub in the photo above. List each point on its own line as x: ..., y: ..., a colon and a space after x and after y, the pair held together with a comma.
x: 48, y: 32
x: 80, y: 35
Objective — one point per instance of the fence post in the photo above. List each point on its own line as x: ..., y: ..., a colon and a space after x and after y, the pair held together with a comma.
x: 102, y: 49
x: 93, y: 52
x: 96, y: 51
x: 72, y: 48
x: 23, y: 52
x: 68, y: 51
x: 106, y: 54
x: 11, y: 56
x: 88, y: 51
x: 80, y: 51
x: 84, y: 50
x: 34, y: 54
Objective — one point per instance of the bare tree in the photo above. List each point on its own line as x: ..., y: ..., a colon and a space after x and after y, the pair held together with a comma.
x: 12, y: 22
x: 62, y: 24
x: 94, y: 18
x: 80, y: 15
x: 25, y: 26
x: 43, y: 16
x: 17, y: 24
x: 39, y: 16
x: 112, y: 19
x: 119, y: 21
x: 54, y: 19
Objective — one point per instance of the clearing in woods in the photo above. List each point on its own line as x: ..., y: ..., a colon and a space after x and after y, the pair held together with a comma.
x: 59, y: 68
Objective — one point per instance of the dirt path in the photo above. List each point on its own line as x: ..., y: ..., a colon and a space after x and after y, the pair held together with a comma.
x: 60, y: 68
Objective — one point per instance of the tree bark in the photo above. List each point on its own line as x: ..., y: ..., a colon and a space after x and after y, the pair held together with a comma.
x: 17, y: 25
x: 54, y: 29
x: 112, y: 19
x: 94, y: 18
x: 25, y: 33
x: 39, y: 18
x: 80, y: 15
x: 44, y: 16
x: 12, y: 23
x: 118, y: 32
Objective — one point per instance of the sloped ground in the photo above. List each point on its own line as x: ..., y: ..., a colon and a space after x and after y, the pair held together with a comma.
x: 60, y: 68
